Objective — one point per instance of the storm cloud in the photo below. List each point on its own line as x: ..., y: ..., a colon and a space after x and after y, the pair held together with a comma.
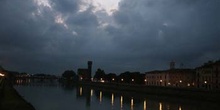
x: 141, y: 35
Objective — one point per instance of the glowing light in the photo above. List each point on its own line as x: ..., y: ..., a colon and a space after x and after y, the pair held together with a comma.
x: 113, y: 98
x: 205, y: 82
x: 180, y: 81
x: 132, y: 80
x: 121, y: 102
x: 101, y: 80
x: 80, y: 91
x: 145, y: 105
x: 132, y: 103
x: 188, y: 84
x: 180, y: 108
x: 2, y: 74
x: 91, y: 92
x: 100, y: 96
x: 161, y: 80
x: 113, y: 79
x: 145, y: 80
x: 168, y: 83
x: 160, y: 106
x: 122, y: 79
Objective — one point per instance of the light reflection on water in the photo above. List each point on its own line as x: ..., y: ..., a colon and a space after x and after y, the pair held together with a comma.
x: 64, y: 97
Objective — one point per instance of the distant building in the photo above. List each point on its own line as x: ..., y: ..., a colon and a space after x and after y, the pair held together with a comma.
x: 172, y: 77
x: 208, y: 76
x: 85, y: 74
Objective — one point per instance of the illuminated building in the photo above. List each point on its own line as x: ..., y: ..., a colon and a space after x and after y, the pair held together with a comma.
x: 172, y: 77
x: 207, y: 76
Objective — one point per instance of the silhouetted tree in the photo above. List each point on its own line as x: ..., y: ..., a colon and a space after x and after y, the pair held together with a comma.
x: 99, y: 74
x: 111, y: 77
x: 69, y: 75
x: 131, y: 77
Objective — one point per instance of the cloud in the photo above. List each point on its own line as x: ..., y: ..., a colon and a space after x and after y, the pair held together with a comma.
x: 141, y: 35
x: 161, y: 31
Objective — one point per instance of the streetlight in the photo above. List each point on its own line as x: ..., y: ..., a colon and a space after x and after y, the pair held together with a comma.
x: 2, y: 74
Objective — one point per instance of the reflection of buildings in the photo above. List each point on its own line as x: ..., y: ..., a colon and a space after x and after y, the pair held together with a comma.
x: 172, y: 77
x: 84, y: 92
x: 126, y: 101
x: 85, y: 74
x: 207, y: 76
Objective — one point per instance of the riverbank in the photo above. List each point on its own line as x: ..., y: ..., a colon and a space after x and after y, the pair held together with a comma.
x: 187, y: 93
x: 11, y: 100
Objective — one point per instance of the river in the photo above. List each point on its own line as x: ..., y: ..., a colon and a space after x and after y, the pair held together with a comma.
x: 54, y: 96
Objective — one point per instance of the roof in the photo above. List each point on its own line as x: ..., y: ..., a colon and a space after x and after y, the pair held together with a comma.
x: 170, y: 71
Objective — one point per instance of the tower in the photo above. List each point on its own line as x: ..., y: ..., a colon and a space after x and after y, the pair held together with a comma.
x: 89, y: 69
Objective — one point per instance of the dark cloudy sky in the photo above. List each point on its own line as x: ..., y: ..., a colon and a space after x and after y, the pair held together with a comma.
x: 50, y: 36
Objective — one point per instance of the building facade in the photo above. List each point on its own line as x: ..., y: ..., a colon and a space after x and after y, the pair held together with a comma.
x: 172, y: 77
x: 207, y: 76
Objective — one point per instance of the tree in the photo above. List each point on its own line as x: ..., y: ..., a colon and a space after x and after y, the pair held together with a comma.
x: 69, y: 75
x: 99, y: 74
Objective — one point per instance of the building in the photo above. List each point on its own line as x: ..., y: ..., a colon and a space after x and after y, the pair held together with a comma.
x: 85, y: 74
x: 172, y: 77
x: 207, y: 76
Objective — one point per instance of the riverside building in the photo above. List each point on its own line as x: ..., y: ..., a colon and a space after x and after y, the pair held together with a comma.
x: 207, y: 76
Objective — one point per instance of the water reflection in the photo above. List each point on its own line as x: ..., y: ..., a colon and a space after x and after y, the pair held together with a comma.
x: 145, y: 105
x: 113, y: 99
x: 132, y: 103
x: 121, y: 102
x: 126, y: 101
x: 86, y: 97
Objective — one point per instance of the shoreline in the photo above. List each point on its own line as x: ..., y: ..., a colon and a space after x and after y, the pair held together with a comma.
x: 11, y: 100
x: 185, y: 93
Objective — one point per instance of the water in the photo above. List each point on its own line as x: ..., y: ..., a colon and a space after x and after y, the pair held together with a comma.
x: 53, y: 96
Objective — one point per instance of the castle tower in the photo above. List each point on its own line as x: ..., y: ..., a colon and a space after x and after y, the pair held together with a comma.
x: 89, y: 69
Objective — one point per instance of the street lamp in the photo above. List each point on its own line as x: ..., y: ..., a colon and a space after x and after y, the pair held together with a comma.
x: 2, y: 74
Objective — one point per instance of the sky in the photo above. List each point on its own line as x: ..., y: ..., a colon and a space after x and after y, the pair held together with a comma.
x: 51, y: 36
